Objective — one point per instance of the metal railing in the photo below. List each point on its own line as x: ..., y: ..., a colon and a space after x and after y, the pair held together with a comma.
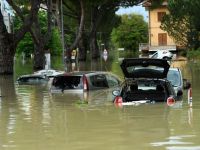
x: 147, y: 47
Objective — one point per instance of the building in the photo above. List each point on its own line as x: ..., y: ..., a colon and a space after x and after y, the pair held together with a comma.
x: 158, y: 39
x: 7, y: 15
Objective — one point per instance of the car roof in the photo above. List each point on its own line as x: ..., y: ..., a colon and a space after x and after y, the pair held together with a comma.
x: 80, y: 73
x: 145, y: 68
x: 175, y: 69
x: 31, y: 75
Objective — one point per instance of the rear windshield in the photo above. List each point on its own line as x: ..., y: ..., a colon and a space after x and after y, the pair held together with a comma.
x: 67, y: 82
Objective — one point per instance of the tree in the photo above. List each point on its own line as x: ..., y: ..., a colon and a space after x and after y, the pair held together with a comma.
x: 9, y: 41
x: 99, y: 10
x: 132, y: 31
x: 96, y: 15
x: 182, y: 23
x: 26, y: 45
x: 40, y: 38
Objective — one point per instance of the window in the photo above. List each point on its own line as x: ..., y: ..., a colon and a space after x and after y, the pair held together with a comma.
x: 162, y: 39
x: 112, y: 81
x: 99, y: 81
x: 160, y: 15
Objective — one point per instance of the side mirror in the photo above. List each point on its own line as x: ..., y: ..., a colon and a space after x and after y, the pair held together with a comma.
x: 116, y: 92
x: 186, y: 84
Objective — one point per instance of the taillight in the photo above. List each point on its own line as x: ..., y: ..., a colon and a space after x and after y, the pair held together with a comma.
x: 170, y: 101
x: 85, y: 83
x: 118, y: 101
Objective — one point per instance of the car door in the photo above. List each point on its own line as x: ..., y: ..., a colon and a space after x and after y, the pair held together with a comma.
x: 102, y: 92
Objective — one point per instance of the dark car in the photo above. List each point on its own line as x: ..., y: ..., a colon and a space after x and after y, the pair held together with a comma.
x: 84, y: 81
x: 145, y: 81
x: 32, y: 79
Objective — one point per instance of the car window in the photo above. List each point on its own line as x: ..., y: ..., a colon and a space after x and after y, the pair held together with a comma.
x: 112, y: 81
x: 147, y: 85
x: 35, y: 79
x: 155, y: 55
x: 48, y: 73
x: 174, y: 77
x: 99, y: 81
x: 67, y: 82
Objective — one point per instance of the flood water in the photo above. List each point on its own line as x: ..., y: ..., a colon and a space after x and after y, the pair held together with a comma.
x: 31, y: 118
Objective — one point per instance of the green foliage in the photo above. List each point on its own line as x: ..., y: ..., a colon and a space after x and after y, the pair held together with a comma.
x: 194, y: 54
x: 183, y: 22
x: 25, y: 46
x: 132, y: 31
x: 43, y: 21
x: 55, y: 44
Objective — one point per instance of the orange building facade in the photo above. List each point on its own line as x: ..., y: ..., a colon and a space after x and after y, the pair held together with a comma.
x: 158, y: 39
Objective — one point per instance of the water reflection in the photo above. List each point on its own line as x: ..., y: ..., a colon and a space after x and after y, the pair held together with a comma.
x: 32, y: 118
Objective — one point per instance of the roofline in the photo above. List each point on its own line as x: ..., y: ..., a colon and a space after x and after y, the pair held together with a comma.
x: 148, y: 3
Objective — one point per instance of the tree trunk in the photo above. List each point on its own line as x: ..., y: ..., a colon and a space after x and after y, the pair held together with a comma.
x: 6, y: 50
x: 81, y: 25
x: 9, y: 42
x: 82, y: 50
x: 93, y: 45
x: 94, y: 49
x: 40, y: 40
x: 39, y: 58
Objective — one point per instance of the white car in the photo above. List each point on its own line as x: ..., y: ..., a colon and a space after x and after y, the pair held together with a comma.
x: 162, y: 54
x: 49, y: 72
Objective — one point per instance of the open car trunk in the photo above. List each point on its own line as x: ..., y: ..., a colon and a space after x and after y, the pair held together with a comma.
x: 145, y: 68
x: 146, y: 89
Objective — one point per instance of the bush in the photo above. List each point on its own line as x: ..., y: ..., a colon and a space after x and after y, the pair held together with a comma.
x: 193, y: 54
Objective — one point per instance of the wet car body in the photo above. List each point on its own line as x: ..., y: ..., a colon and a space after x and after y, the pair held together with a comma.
x: 175, y: 77
x: 162, y: 54
x: 145, y: 81
x: 85, y: 85
x: 84, y: 81
x: 32, y: 79
x: 48, y: 72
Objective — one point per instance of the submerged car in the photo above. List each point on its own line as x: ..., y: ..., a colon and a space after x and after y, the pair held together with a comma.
x: 145, y: 81
x: 162, y: 54
x: 175, y: 77
x: 84, y: 81
x: 93, y: 87
x: 32, y: 79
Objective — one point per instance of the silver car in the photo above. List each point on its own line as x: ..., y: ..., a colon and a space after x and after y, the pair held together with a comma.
x: 162, y: 54
x: 84, y: 81
x: 175, y: 77
x: 85, y: 85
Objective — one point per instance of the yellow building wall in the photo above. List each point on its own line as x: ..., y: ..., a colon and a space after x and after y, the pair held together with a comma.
x: 154, y: 27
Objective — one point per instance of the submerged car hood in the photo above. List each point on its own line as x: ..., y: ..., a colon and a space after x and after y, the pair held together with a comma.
x: 145, y: 68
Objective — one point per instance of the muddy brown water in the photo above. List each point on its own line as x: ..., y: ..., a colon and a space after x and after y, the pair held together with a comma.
x: 32, y: 118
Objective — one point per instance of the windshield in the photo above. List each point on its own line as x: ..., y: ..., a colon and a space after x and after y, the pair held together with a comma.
x: 174, y: 77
